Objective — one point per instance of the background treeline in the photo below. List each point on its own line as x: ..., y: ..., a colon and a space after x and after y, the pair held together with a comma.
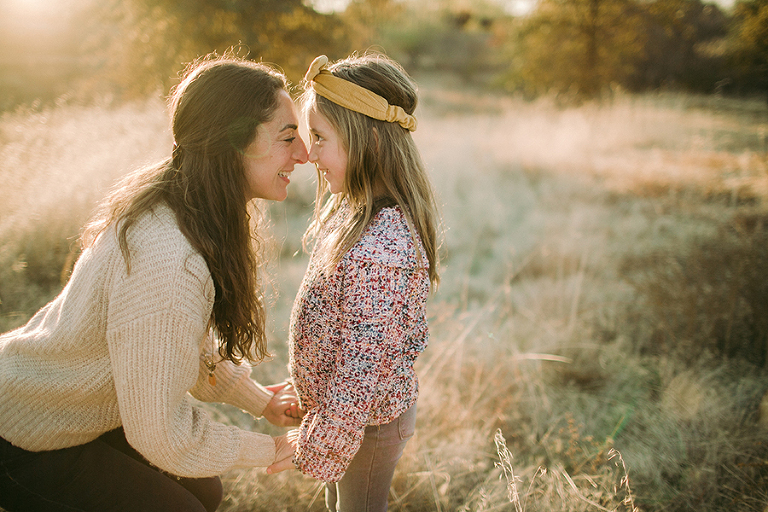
x: 570, y: 48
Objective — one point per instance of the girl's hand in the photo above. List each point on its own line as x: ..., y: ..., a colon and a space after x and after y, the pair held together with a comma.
x: 285, y: 447
x: 283, y: 409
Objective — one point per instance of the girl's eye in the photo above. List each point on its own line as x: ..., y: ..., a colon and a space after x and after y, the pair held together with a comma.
x: 317, y: 137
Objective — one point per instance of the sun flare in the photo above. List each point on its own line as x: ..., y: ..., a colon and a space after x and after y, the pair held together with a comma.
x: 36, y: 12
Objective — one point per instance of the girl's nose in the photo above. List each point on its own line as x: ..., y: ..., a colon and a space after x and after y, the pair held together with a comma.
x: 312, y: 156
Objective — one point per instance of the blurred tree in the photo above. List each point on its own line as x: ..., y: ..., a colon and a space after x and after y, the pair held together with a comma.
x: 576, y: 48
x: 368, y: 18
x: 749, y: 40
x: 457, y: 37
x: 682, y: 47
x: 144, y: 43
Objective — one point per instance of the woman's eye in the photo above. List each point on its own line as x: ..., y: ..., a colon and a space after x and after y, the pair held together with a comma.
x: 290, y: 140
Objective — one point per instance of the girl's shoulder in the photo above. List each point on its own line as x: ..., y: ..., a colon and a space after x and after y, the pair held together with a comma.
x: 388, y: 241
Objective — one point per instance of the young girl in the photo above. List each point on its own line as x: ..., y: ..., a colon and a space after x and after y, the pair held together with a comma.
x: 358, y: 322
x: 164, y: 301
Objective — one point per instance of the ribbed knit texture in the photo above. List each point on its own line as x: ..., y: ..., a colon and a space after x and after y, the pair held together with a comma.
x: 354, y: 338
x: 117, y: 348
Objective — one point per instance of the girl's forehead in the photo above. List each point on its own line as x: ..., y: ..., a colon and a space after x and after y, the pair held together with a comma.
x: 316, y: 117
x: 308, y: 103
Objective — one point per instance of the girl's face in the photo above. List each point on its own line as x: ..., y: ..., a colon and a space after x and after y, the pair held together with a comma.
x: 269, y: 160
x: 327, y: 152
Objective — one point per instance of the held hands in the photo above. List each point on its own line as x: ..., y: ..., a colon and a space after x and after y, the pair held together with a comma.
x: 283, y: 409
x: 285, y: 447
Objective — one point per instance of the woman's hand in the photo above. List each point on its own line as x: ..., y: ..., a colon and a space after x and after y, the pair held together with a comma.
x: 283, y: 409
x: 285, y: 447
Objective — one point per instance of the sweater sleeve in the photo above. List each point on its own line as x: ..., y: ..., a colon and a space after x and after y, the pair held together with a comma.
x: 234, y: 386
x: 332, y: 432
x: 157, y: 317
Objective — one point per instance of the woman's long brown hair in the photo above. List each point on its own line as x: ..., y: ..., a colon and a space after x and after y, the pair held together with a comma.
x: 215, y: 110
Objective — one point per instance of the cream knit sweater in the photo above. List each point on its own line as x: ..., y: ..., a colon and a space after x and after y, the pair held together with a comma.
x: 126, y: 349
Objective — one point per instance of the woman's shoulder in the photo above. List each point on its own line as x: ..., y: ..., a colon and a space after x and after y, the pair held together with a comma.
x: 156, y: 238
x: 387, y: 241
x: 165, y: 274
x: 158, y: 227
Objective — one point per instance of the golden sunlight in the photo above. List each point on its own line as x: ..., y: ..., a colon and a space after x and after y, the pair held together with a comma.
x: 38, y: 14
x: 34, y: 27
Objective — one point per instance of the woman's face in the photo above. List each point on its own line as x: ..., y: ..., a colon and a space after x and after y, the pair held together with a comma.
x: 327, y: 152
x: 269, y: 160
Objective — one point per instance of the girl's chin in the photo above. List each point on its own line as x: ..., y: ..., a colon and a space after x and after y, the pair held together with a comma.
x: 333, y: 188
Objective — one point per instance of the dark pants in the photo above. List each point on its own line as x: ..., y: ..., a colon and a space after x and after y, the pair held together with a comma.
x: 105, y: 475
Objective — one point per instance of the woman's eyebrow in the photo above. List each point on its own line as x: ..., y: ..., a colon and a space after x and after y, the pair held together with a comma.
x: 289, y: 127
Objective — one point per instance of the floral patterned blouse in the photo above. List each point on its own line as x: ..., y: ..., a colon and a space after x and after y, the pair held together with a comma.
x: 354, y: 337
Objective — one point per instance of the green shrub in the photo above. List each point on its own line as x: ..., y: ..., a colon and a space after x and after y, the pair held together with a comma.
x: 710, y: 298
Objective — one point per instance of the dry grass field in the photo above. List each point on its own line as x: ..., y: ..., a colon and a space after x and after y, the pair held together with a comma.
x: 600, y: 337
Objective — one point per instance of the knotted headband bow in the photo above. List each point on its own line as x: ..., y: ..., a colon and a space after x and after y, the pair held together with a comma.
x: 354, y: 97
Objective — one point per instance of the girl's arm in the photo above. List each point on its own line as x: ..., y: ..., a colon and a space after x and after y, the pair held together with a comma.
x: 331, y: 433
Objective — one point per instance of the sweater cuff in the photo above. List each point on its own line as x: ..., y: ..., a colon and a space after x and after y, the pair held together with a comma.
x: 256, y: 450
x: 323, y: 467
x: 250, y: 396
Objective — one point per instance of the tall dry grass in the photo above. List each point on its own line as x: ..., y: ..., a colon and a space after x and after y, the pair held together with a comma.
x: 55, y: 164
x: 596, y: 341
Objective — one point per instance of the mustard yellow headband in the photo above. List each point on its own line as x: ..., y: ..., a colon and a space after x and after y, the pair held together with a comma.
x: 354, y: 97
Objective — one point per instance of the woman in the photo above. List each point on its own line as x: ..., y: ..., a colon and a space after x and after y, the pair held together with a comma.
x: 164, y: 301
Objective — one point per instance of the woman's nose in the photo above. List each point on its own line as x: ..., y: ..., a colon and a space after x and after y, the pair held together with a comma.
x: 300, y: 154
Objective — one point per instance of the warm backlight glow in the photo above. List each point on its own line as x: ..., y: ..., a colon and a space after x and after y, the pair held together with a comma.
x: 24, y: 8
x: 33, y: 26
x: 37, y: 13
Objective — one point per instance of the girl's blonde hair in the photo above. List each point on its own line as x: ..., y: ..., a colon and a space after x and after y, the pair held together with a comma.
x: 384, y: 166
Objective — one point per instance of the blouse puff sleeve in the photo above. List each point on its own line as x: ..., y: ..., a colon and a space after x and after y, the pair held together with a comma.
x: 155, y: 341
x: 331, y: 434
